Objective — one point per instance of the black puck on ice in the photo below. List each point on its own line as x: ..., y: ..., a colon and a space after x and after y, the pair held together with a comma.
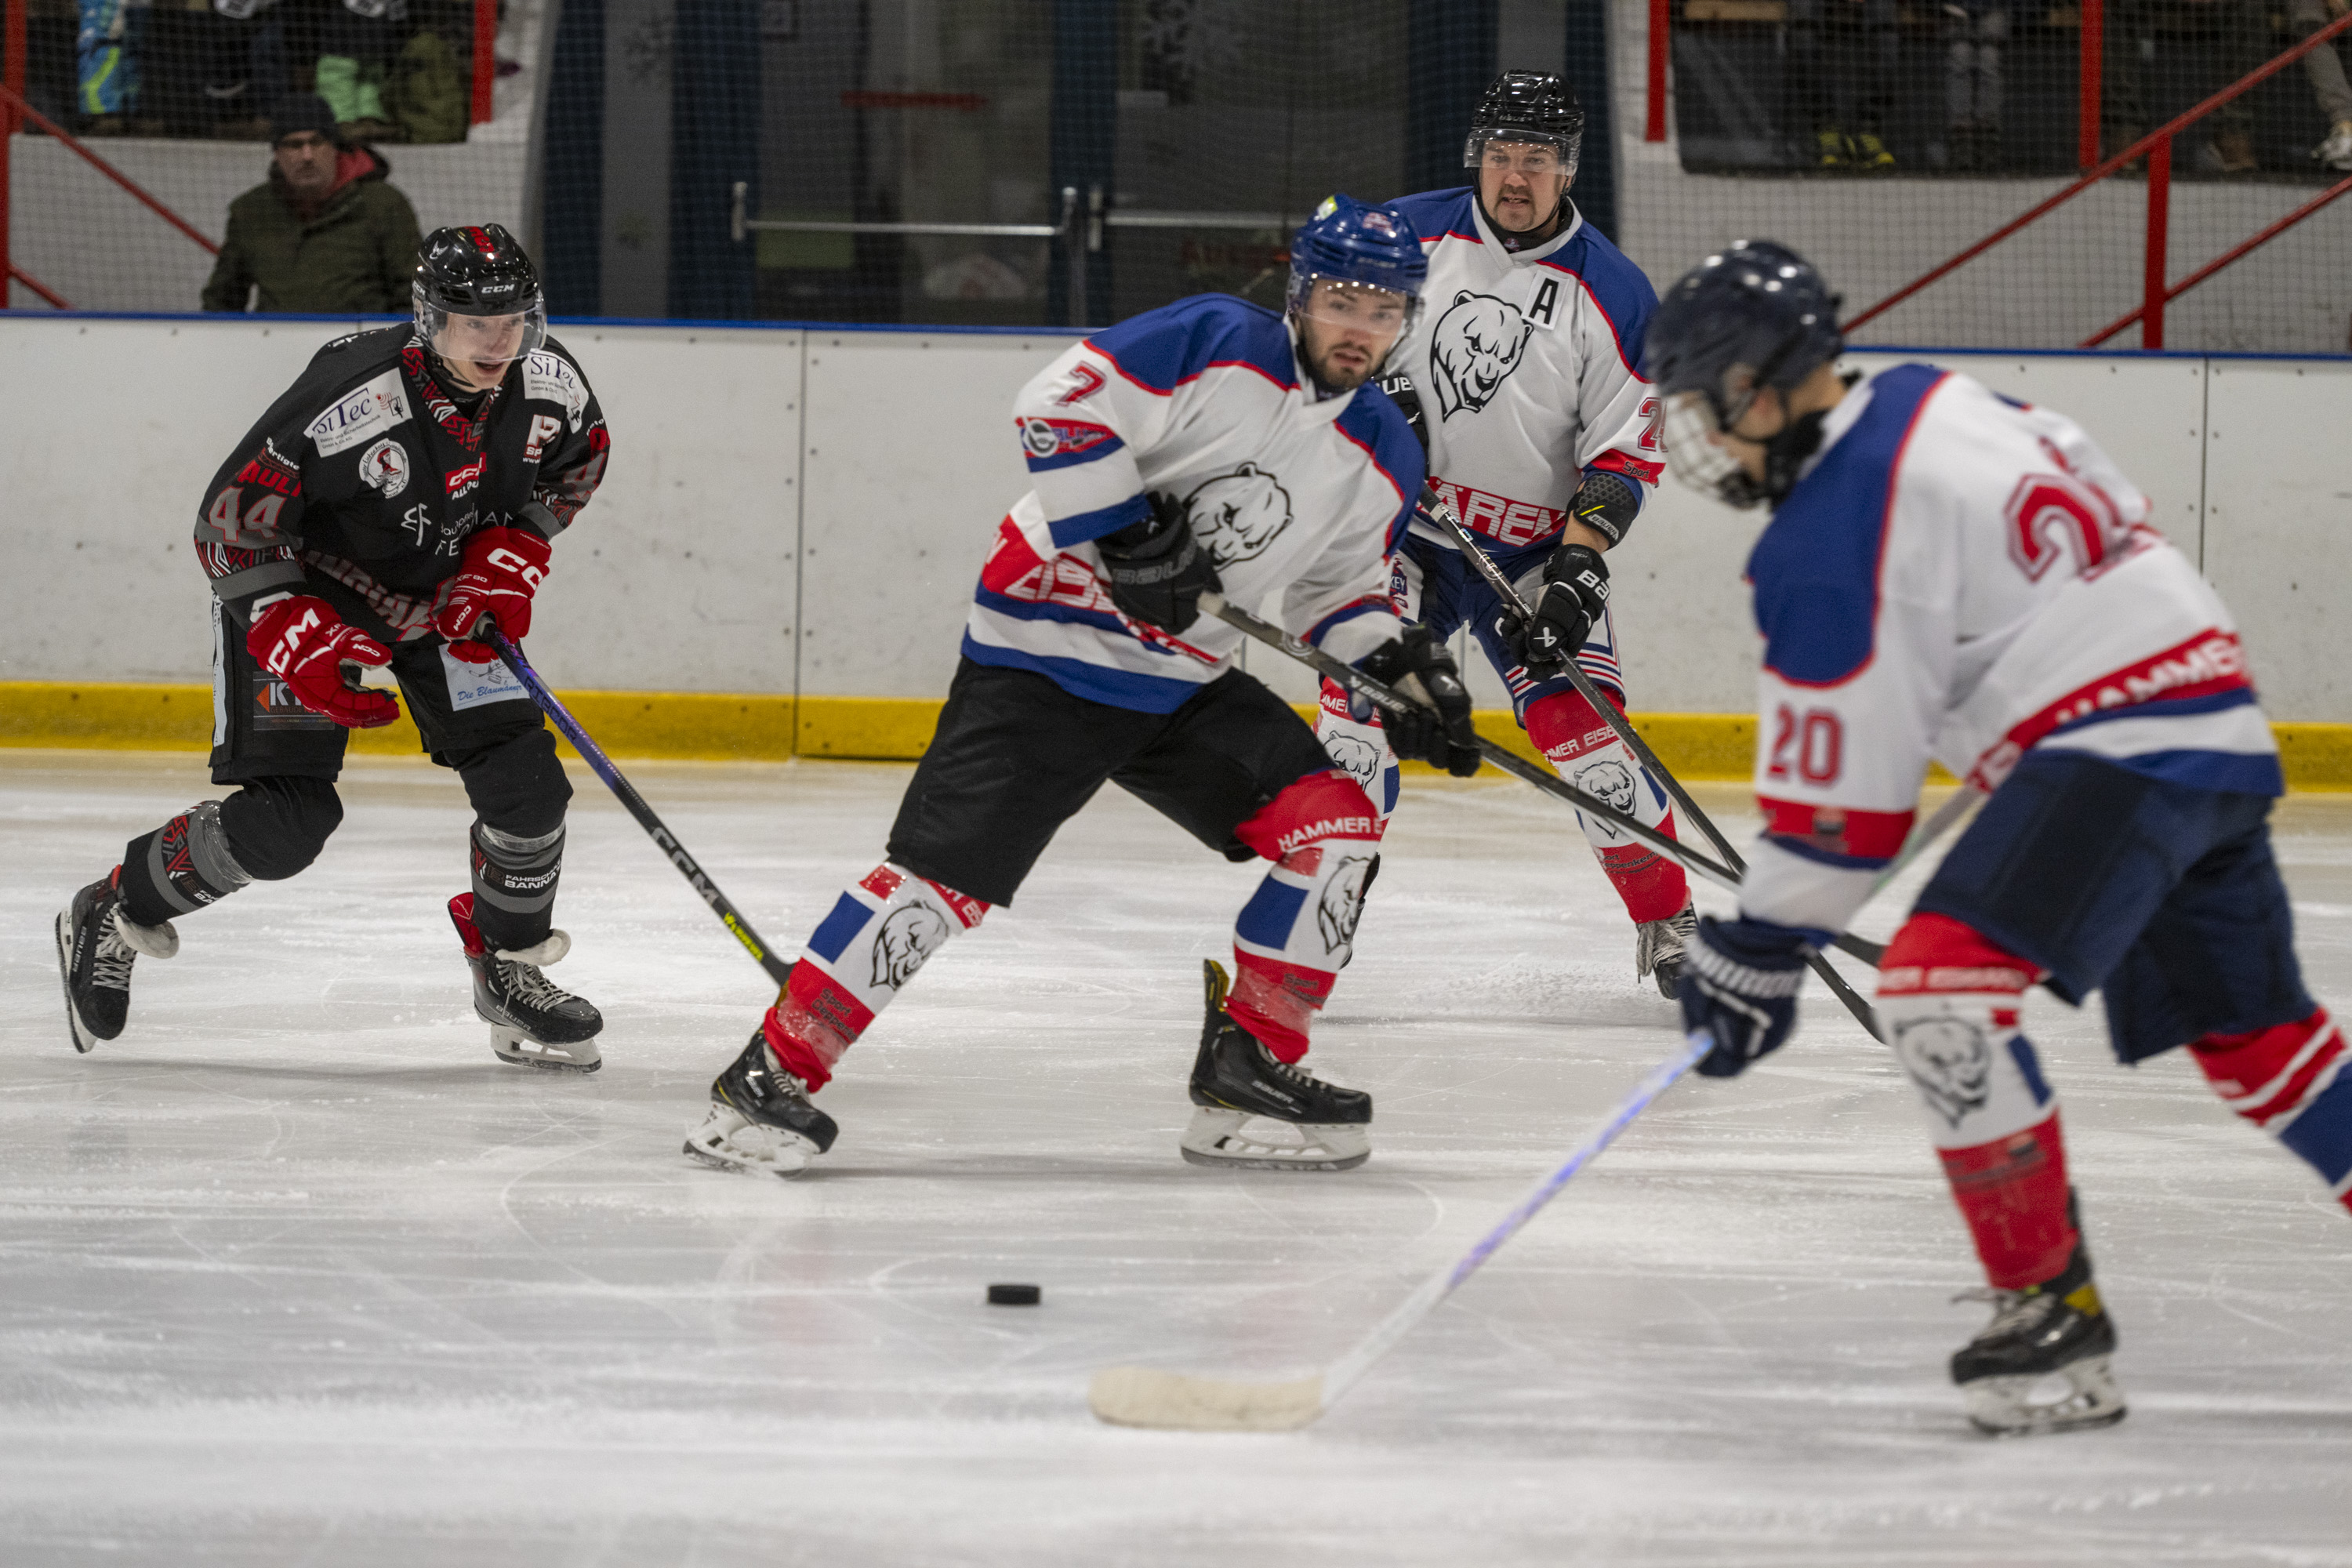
x: 1014, y: 1295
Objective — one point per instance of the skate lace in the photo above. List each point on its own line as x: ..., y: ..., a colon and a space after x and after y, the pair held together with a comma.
x: 526, y: 984
x: 1289, y: 1072
x: 2011, y: 1310
x: 110, y: 962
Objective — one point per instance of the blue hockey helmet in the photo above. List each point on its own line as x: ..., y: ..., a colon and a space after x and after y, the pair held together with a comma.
x: 1349, y: 241
x: 1754, y: 314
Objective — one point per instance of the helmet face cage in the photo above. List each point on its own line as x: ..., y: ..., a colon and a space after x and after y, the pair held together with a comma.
x: 482, y: 335
x: 1692, y: 432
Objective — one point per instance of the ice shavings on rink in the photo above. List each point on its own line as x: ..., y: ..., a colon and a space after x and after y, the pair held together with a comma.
x: 296, y: 1272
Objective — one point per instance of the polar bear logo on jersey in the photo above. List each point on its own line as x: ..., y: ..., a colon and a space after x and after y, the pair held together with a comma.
x: 1475, y: 346
x: 908, y: 937
x: 1355, y: 756
x: 1951, y: 1061
x: 1342, y: 904
x: 1235, y: 516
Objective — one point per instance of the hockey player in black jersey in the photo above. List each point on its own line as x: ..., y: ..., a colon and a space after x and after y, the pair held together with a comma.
x: 402, y: 492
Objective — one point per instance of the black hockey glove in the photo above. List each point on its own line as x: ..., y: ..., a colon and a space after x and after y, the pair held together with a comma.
x: 1739, y: 989
x: 1575, y: 593
x: 1399, y: 390
x: 1157, y: 570
x: 1437, y: 730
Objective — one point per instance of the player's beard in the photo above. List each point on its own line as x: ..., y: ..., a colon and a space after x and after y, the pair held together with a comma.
x: 1332, y: 379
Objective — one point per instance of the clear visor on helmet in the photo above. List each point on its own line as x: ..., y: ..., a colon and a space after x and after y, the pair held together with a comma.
x: 1696, y: 451
x: 1535, y: 156
x: 1382, y: 316
x: 481, y: 345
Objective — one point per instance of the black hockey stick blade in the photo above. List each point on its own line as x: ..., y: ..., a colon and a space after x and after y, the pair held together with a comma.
x: 779, y: 968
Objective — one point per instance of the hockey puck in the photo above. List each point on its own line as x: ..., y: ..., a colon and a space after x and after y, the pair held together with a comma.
x: 1014, y: 1295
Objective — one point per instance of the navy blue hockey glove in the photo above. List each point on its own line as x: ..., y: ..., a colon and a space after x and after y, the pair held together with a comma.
x: 1739, y: 989
x: 1575, y: 593
x: 1158, y: 571
x: 1438, y: 734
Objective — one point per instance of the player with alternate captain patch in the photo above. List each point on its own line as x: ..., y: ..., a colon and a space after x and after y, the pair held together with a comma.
x: 1952, y: 574
x: 406, y: 488
x: 1210, y: 445
x: 1523, y: 380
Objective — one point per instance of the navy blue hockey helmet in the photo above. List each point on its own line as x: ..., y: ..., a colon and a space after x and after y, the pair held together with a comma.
x: 1349, y: 241
x: 1755, y: 314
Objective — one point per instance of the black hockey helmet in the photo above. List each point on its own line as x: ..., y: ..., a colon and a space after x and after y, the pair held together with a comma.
x: 1754, y: 314
x: 479, y: 274
x: 1527, y: 106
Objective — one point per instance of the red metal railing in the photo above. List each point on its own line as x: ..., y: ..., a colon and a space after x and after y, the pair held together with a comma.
x: 13, y: 102
x: 486, y: 59
x: 2254, y: 242
x: 12, y: 37
x: 2157, y: 148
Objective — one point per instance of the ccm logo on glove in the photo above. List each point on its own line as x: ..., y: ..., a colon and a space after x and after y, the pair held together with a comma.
x: 501, y: 569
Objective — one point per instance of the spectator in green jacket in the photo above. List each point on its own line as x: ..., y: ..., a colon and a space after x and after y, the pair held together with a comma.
x: 325, y: 232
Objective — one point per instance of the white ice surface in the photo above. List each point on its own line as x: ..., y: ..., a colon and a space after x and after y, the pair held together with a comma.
x: 296, y: 1272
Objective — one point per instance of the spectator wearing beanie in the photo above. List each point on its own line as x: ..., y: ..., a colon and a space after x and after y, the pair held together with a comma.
x: 327, y: 232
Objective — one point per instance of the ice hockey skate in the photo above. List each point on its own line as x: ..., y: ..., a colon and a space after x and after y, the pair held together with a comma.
x: 533, y: 1022
x: 1258, y: 1112
x: 761, y: 1119
x: 1658, y: 949
x: 97, y: 944
x: 2052, y: 1333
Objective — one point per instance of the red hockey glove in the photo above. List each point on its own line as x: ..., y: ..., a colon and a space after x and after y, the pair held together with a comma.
x: 305, y: 644
x: 502, y: 567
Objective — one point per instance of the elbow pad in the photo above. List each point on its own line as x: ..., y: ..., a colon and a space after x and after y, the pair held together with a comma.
x: 1607, y: 504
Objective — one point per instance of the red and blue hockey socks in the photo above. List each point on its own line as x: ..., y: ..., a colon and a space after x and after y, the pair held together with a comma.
x: 881, y: 930
x: 1583, y: 750
x: 2291, y: 1081
x: 1949, y: 1001
x: 1298, y: 930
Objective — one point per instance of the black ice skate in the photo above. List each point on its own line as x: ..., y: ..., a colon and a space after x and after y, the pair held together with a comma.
x: 761, y: 1118
x: 2057, y: 1330
x: 533, y: 1022
x: 97, y: 944
x: 1659, y: 947
x: 1260, y: 1112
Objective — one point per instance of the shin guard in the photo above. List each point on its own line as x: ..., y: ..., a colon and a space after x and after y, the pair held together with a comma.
x: 1298, y: 930
x: 1583, y: 750
x: 2291, y: 1081
x: 180, y: 868
x: 1360, y: 749
x: 1949, y: 1001
x: 514, y: 885
x: 881, y: 930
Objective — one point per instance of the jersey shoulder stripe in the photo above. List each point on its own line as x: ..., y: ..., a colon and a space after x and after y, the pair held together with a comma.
x: 1161, y: 350
x: 1815, y: 570
x: 1373, y: 422
x: 1437, y: 215
x: 1620, y: 289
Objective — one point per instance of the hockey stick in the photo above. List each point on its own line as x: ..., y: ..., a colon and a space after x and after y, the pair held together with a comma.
x: 1145, y: 1397
x: 664, y: 839
x: 1517, y: 607
x: 1353, y: 680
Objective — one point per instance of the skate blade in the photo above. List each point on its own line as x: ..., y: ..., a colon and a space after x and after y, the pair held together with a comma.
x: 729, y: 1141
x: 1237, y: 1140
x: 83, y: 1039
x: 512, y: 1046
x: 2005, y: 1406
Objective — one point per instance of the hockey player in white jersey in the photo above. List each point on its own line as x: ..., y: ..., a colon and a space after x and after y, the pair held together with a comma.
x: 1523, y: 380
x: 1207, y: 446
x: 1954, y: 575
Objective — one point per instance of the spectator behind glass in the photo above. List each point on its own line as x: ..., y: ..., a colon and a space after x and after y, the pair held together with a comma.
x: 326, y: 232
x: 1974, y: 31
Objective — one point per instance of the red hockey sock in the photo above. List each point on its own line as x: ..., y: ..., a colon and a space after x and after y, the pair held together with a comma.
x: 2013, y: 1193
x: 813, y: 1022
x: 1581, y: 747
x: 2294, y: 1081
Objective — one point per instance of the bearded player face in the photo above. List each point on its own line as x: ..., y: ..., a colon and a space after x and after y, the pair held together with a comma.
x: 1346, y: 331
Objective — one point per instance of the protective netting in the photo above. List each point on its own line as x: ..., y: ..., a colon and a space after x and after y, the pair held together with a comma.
x: 682, y: 159
x: 177, y: 98
x: 1882, y: 140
